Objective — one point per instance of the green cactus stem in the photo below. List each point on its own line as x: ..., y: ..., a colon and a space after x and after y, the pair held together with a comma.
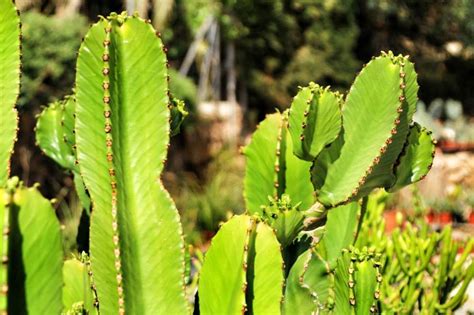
x: 31, y: 272
x: 122, y: 134
x: 9, y: 83
x: 242, y: 270
x: 77, y: 288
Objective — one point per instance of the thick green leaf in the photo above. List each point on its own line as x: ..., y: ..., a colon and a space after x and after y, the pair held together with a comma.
x: 416, y: 159
x: 34, y: 254
x: 122, y: 134
x: 9, y: 83
x: 77, y: 286
x: 268, y: 272
x: 315, y: 120
x: 298, y: 300
x: 369, y: 116
x: 272, y: 169
x: 50, y: 135
x: 222, y: 282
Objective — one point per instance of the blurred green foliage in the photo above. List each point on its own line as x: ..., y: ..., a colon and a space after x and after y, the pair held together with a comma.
x: 50, y: 46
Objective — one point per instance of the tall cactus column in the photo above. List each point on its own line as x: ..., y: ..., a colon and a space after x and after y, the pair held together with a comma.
x: 9, y: 83
x: 122, y: 135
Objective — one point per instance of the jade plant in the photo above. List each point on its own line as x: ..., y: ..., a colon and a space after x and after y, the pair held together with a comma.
x: 298, y: 248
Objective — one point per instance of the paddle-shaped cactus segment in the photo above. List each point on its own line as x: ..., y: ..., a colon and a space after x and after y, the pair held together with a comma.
x: 122, y: 135
x: 272, y: 169
x: 357, y: 282
x: 315, y: 120
x: 416, y: 158
x: 267, y: 280
x: 298, y: 299
x: 32, y: 256
x: 9, y: 83
x: 77, y: 287
x: 223, y: 281
x: 376, y: 116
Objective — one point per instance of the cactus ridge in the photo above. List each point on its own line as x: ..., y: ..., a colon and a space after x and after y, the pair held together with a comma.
x: 112, y: 173
x: 6, y: 202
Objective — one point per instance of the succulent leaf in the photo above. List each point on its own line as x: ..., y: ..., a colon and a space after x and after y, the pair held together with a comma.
x: 9, y: 83
x: 122, y: 135
x: 315, y: 120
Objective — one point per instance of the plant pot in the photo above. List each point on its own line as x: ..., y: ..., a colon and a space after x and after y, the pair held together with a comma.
x: 445, y: 218
x: 471, y: 217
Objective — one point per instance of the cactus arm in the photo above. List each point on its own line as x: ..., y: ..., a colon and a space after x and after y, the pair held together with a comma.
x: 272, y: 169
x: 263, y: 163
x: 77, y: 286
x: 366, y: 289
x: 315, y: 120
x: 5, y: 201
x: 416, y: 158
x: 222, y: 283
x: 35, y: 255
x: 370, y: 116
x: 122, y: 134
x: 268, y: 272
x: 9, y: 83
x: 50, y: 136
x: 298, y: 299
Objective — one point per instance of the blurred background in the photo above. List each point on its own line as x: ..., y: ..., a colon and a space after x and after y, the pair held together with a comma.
x: 235, y: 61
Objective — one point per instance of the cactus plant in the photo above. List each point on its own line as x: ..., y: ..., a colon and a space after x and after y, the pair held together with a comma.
x: 31, y: 271
x: 9, y: 83
x: 122, y: 135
